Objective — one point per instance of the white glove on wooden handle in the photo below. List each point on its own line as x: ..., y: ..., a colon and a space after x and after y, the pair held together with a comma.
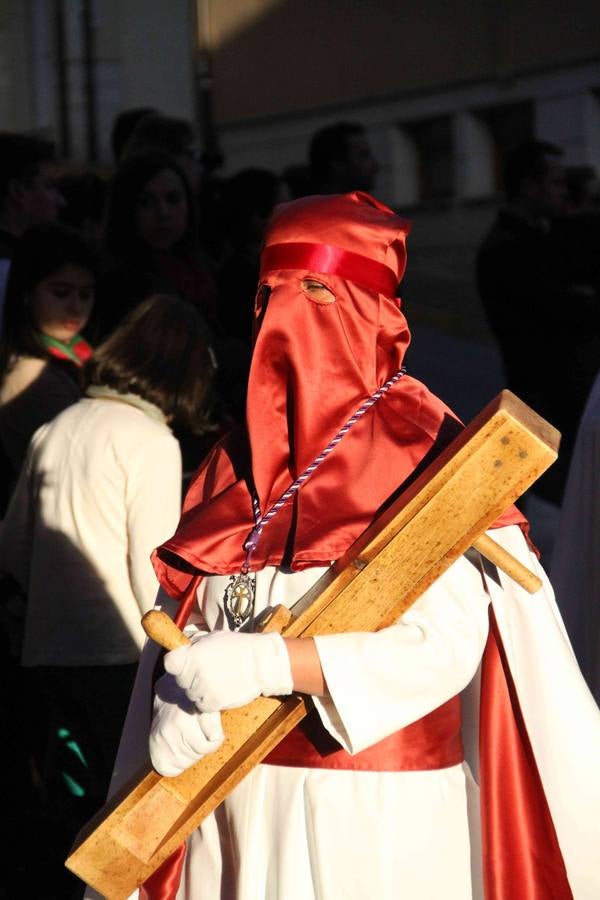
x: 180, y: 735
x: 226, y: 669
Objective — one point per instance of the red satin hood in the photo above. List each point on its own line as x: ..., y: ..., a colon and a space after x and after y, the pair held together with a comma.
x: 313, y: 365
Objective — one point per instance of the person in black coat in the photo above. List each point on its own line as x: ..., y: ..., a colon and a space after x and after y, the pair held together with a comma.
x: 545, y: 317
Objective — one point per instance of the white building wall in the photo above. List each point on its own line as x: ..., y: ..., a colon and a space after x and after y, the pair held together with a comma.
x: 155, y: 55
x: 143, y: 57
x: 16, y: 95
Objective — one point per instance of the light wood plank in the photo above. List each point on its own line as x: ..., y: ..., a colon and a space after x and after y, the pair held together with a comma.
x: 423, y: 532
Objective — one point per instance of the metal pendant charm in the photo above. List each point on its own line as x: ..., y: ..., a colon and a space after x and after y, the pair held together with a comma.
x: 238, y: 600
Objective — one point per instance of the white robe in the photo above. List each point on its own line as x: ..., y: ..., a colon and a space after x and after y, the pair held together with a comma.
x: 297, y: 834
x: 575, y: 568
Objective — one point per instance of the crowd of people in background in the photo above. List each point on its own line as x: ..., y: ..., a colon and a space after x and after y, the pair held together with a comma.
x: 126, y: 301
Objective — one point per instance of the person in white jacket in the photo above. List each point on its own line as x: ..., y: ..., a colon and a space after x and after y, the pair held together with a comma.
x: 100, y: 487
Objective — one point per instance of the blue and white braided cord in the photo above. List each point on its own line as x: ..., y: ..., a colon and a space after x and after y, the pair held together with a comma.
x: 251, y: 543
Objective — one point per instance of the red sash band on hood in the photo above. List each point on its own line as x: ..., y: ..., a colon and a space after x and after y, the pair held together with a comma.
x: 329, y: 260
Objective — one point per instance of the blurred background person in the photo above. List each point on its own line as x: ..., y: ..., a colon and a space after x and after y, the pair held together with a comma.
x: 545, y: 317
x: 28, y: 195
x: 85, y: 193
x: 123, y: 125
x: 49, y: 298
x: 101, y: 487
x: 575, y: 572
x: 341, y: 160
x: 583, y: 190
x: 575, y: 237
x: 248, y: 199
x: 173, y: 136
x: 150, y: 241
x: 297, y: 180
x: 178, y: 138
x: 246, y: 202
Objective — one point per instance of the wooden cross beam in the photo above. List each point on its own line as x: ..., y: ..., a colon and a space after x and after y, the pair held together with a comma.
x: 443, y: 513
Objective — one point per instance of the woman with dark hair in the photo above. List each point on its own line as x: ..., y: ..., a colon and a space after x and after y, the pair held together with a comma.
x: 151, y: 240
x: 85, y: 192
x: 49, y: 298
x: 176, y: 137
x: 100, y: 488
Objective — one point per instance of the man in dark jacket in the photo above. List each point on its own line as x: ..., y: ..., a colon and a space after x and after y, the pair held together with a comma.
x: 547, y: 324
x: 28, y: 195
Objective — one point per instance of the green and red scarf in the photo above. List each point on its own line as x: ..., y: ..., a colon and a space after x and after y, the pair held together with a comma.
x: 77, y: 350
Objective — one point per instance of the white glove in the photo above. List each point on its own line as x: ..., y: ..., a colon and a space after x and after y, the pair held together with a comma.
x: 180, y: 735
x: 229, y: 668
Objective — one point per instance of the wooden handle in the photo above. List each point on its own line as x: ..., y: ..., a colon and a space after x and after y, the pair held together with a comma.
x: 162, y: 629
x: 508, y: 564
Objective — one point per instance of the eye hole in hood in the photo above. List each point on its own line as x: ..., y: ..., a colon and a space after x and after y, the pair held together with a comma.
x: 317, y: 291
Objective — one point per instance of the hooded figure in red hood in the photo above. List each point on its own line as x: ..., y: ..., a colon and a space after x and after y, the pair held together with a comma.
x: 373, y: 797
x: 329, y: 332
